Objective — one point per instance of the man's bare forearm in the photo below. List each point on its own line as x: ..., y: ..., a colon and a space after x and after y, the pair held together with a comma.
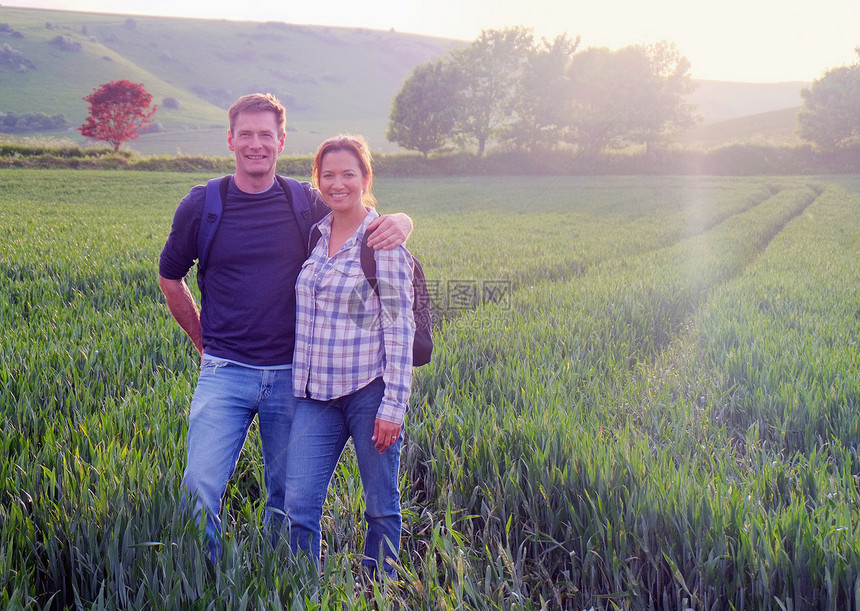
x: 183, y: 308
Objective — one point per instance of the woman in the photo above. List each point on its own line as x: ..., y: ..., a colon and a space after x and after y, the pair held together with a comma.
x: 352, y: 368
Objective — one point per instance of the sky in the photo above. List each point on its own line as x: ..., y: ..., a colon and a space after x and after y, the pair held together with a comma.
x: 730, y: 40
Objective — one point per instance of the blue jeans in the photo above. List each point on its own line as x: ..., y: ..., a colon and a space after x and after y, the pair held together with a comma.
x: 320, y: 432
x: 226, y: 400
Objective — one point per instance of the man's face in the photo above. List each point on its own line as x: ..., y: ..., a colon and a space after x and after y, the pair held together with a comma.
x: 256, y: 143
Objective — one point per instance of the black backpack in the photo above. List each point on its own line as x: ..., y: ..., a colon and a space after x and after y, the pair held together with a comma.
x: 422, y: 344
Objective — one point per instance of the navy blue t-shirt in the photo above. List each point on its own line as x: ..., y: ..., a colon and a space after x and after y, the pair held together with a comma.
x: 248, y: 308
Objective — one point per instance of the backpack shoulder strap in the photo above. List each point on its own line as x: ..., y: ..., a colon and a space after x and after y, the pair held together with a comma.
x: 216, y: 193
x: 316, y: 234
x: 301, y: 205
x: 368, y: 263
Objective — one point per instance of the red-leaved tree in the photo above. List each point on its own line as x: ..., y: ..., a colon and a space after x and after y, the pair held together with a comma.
x: 118, y: 111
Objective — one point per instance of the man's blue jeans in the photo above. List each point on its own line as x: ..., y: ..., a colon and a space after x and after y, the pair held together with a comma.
x: 320, y: 432
x: 227, y: 398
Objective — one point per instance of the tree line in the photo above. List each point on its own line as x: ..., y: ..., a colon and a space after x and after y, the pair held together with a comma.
x: 528, y: 95
x: 13, y: 123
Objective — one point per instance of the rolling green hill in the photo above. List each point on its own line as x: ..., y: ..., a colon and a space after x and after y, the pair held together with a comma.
x: 745, y: 113
x: 723, y: 100
x: 774, y: 128
x: 330, y: 79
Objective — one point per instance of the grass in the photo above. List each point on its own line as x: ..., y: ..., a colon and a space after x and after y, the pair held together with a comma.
x: 660, y: 414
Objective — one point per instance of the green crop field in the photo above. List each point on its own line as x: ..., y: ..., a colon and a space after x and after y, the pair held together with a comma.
x: 644, y: 396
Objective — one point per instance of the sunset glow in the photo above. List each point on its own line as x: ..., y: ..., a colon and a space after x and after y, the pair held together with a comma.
x: 736, y: 40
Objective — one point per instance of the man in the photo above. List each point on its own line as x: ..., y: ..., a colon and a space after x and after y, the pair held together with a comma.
x: 245, y: 328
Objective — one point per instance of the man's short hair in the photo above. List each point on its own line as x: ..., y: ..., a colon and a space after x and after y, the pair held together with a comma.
x: 259, y: 102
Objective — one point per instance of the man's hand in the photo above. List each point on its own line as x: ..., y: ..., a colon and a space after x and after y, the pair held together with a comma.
x: 385, y: 433
x: 389, y: 231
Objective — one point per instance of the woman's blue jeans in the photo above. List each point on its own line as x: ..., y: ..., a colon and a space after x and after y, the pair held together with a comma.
x: 227, y: 398
x: 319, y: 435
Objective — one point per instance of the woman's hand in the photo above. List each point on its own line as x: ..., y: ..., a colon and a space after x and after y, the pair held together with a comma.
x: 385, y: 433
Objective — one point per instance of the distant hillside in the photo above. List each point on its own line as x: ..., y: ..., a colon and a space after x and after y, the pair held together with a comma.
x: 722, y: 100
x: 776, y: 127
x: 330, y: 79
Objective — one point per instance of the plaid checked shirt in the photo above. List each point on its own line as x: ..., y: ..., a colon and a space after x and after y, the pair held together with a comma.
x: 346, y: 336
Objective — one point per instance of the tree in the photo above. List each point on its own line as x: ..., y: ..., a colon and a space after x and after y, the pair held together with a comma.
x: 422, y: 114
x: 829, y: 117
x: 632, y: 95
x: 541, y: 118
x: 490, y: 70
x: 119, y: 110
x: 670, y: 114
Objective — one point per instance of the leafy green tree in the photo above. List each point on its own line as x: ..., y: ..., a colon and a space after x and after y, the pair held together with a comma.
x: 632, y: 95
x: 424, y: 111
x: 542, y: 116
x: 830, y: 118
x: 671, y: 113
x: 490, y: 68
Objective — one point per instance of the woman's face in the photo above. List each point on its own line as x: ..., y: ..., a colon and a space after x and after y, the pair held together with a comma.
x: 341, y: 181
